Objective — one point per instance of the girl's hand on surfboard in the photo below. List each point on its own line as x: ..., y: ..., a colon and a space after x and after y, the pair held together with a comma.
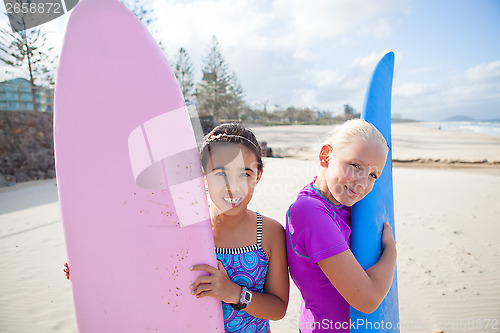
x: 387, y: 236
x: 217, y: 284
x: 66, y: 270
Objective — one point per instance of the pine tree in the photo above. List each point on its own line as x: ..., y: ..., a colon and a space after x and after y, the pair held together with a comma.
x: 219, y: 94
x: 26, y: 50
x: 183, y: 71
x: 212, y: 90
x: 144, y: 14
x: 235, y: 104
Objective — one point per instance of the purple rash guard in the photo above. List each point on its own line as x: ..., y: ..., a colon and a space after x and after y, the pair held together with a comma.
x: 317, y: 229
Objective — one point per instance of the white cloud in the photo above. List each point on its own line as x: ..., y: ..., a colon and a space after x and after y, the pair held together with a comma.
x: 482, y: 73
x: 367, y: 62
x: 320, y: 53
x: 234, y: 22
x: 332, y: 89
x: 475, y: 91
x: 312, y: 21
x: 410, y: 90
x: 275, y: 47
x: 423, y: 70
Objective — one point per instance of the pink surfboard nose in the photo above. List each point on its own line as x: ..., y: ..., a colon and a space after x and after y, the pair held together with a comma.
x: 128, y: 177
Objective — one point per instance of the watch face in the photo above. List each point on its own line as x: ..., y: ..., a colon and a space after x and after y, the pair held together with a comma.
x: 246, y: 298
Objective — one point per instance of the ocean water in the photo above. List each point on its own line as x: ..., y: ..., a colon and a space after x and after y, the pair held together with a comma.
x: 481, y: 127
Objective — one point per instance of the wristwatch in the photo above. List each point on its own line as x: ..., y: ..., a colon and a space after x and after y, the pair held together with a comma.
x: 245, y: 299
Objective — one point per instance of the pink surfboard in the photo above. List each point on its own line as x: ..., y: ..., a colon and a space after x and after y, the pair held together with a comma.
x: 132, y: 197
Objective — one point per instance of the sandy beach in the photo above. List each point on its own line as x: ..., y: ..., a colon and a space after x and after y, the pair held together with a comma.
x: 412, y: 144
x: 447, y: 227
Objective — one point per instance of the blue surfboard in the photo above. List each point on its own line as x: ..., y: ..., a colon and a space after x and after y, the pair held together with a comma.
x: 369, y: 215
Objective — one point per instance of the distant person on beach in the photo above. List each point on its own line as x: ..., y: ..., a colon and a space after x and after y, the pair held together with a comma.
x: 252, y: 275
x: 318, y: 230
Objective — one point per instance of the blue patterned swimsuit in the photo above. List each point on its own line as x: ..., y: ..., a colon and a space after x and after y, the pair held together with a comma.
x: 246, y: 266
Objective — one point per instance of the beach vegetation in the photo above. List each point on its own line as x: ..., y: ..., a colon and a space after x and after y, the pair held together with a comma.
x: 219, y: 94
x: 183, y: 70
x: 290, y: 116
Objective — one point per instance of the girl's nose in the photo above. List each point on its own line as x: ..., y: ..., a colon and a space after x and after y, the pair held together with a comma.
x: 236, y: 185
x: 362, y: 179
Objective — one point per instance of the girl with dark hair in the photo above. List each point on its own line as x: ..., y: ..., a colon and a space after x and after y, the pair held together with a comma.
x: 252, y: 275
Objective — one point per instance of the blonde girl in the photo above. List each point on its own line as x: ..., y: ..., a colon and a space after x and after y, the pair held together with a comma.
x: 318, y: 230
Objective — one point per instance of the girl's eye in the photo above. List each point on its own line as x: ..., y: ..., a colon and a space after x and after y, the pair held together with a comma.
x: 220, y: 173
x: 357, y: 166
x: 374, y: 176
x: 246, y: 175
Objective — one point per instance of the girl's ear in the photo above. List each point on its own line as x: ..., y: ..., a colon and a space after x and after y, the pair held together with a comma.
x: 324, y: 156
x: 259, y: 175
x: 205, y: 182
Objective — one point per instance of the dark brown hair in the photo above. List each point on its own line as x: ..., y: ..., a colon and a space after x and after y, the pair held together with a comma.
x: 231, y: 133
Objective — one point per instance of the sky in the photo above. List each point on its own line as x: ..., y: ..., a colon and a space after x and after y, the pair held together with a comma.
x: 321, y: 53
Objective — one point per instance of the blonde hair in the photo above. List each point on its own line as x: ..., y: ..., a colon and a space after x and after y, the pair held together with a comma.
x: 352, y: 130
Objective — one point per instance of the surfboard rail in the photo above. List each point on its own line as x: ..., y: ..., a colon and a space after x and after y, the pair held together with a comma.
x: 370, y: 214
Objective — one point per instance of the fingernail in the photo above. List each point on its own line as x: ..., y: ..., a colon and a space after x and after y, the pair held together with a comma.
x: 191, y: 268
x: 192, y: 292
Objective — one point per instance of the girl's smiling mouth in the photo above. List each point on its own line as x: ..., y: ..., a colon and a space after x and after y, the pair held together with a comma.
x: 233, y: 201
x: 352, y: 193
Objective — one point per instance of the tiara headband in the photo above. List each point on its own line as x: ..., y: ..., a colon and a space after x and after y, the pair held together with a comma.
x: 213, y: 138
